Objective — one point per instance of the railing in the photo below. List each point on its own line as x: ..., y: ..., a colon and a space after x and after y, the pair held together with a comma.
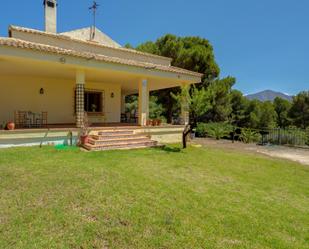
x: 290, y: 136
x: 68, y: 140
x: 45, y: 136
x: 277, y: 136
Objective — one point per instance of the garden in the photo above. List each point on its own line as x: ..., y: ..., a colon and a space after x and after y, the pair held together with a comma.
x: 152, y: 198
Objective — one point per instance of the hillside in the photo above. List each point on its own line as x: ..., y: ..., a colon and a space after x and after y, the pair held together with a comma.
x: 268, y: 95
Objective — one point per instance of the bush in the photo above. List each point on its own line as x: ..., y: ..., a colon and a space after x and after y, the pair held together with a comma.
x: 155, y: 108
x: 201, y: 130
x: 307, y: 136
x: 249, y: 136
x: 214, y: 130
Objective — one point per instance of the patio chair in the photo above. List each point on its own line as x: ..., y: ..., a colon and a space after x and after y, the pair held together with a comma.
x: 20, y: 119
x: 134, y: 118
x: 41, y: 120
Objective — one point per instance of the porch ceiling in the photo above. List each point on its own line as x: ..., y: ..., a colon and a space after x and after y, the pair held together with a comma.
x: 41, y: 69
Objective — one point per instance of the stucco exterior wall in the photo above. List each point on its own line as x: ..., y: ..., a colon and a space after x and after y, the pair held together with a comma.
x: 22, y: 93
x: 84, y: 47
x: 163, y: 135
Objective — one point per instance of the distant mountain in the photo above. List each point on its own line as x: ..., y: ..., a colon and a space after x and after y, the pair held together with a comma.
x: 268, y: 95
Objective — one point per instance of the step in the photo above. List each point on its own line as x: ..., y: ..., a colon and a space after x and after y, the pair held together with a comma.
x: 118, y: 140
x: 119, y: 148
x: 114, y: 132
x: 127, y: 145
x: 115, y: 136
x: 116, y: 128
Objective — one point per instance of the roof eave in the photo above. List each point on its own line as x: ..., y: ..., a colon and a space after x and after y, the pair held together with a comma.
x: 65, y: 37
x: 24, y: 45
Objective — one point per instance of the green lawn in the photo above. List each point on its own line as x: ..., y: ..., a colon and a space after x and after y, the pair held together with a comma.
x: 153, y: 198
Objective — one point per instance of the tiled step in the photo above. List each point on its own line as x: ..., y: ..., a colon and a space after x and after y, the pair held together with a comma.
x: 112, y: 140
x: 114, y: 136
x: 117, y: 128
x: 127, y: 145
x: 114, y: 132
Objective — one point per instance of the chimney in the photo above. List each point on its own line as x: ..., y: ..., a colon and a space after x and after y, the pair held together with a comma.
x: 50, y: 7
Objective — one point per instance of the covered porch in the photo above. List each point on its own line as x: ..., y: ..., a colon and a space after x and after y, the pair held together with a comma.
x: 66, y: 87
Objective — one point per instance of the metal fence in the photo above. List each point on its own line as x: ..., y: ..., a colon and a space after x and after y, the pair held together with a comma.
x: 290, y: 136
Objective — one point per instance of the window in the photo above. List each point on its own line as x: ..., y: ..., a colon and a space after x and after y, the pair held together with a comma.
x: 93, y: 101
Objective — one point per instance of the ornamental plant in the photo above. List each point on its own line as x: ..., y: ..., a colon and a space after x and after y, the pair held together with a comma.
x: 249, y: 136
x: 214, y: 130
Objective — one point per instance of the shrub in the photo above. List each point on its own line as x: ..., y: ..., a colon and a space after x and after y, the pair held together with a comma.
x: 307, y: 136
x: 214, y: 130
x: 155, y: 108
x: 201, y: 130
x: 249, y: 136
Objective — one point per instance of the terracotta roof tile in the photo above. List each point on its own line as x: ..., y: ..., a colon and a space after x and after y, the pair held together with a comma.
x: 16, y: 43
x: 66, y: 37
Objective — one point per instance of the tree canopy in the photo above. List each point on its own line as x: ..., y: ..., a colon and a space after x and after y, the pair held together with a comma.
x: 299, y: 111
x: 192, y: 53
x: 282, y: 108
x: 215, y: 100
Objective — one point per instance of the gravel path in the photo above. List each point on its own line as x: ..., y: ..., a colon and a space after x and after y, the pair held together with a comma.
x: 294, y: 154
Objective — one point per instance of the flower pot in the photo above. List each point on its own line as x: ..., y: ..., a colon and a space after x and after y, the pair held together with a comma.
x: 159, y: 122
x: 84, y: 139
x: 149, y: 122
x: 154, y: 122
x: 10, y: 126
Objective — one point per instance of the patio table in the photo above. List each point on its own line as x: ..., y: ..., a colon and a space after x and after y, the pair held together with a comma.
x: 28, y: 120
x: 32, y: 118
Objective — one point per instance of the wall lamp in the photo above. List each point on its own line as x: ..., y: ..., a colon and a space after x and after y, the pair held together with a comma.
x: 42, y: 91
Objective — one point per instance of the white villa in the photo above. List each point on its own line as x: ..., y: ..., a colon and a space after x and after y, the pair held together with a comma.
x: 84, y: 70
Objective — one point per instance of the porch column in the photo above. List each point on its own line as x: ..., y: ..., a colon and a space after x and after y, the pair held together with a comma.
x: 143, y: 102
x: 79, y: 105
x: 185, y: 117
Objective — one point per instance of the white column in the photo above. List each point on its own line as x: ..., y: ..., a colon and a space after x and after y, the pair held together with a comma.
x: 143, y: 102
x: 79, y: 105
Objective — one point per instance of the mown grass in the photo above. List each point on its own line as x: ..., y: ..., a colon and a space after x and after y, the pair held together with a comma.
x: 153, y: 198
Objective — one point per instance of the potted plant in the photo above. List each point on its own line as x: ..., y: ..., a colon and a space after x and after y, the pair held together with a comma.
x: 10, y: 125
x: 155, y: 111
x: 159, y: 122
x: 3, y: 126
x: 149, y: 122
x: 93, y: 107
x: 84, y: 130
x: 84, y: 136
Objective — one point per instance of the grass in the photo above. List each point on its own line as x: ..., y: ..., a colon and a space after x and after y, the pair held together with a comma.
x: 153, y: 198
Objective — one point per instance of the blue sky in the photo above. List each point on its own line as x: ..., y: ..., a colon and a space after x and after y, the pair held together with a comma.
x: 263, y: 43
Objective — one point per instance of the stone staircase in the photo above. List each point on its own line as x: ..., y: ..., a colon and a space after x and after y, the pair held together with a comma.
x: 117, y: 138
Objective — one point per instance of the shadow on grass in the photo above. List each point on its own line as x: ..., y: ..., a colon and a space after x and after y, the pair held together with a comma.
x: 169, y: 148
